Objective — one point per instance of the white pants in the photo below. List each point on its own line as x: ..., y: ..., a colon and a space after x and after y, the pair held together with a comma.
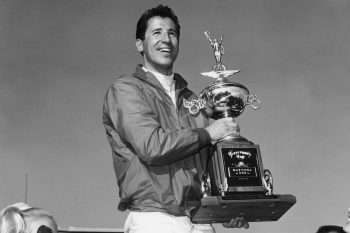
x: 158, y: 222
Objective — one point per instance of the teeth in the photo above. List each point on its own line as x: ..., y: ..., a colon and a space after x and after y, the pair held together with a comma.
x: 165, y: 50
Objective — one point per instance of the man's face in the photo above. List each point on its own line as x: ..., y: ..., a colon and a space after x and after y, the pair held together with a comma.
x: 160, y: 46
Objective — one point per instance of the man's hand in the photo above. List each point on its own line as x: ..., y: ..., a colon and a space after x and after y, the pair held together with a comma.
x: 237, y: 222
x: 222, y: 128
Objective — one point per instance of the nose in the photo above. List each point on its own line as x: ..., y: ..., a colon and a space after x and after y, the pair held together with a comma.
x: 165, y: 37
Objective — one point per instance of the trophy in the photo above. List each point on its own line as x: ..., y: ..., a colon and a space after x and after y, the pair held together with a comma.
x: 236, y: 184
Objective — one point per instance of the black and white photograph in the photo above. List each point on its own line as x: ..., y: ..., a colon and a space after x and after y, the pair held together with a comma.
x: 113, y: 114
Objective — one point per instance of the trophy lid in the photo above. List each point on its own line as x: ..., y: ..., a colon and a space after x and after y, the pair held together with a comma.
x: 224, y: 85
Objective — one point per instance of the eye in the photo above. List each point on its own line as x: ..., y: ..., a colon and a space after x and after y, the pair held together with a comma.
x: 173, y: 33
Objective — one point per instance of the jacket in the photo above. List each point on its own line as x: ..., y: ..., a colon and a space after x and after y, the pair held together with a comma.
x: 159, y: 153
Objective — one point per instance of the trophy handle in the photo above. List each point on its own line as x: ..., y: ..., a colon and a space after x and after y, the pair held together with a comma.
x: 194, y: 106
x: 205, y: 183
x: 268, y: 181
x: 253, y: 102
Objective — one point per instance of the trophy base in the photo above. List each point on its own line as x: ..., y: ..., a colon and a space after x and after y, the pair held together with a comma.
x: 254, y: 208
x: 236, y: 168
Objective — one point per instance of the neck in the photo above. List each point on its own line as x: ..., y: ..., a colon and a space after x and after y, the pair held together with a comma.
x: 161, y: 77
x: 161, y: 70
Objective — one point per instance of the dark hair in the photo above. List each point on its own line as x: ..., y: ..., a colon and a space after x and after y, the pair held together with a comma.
x: 329, y: 228
x: 160, y: 10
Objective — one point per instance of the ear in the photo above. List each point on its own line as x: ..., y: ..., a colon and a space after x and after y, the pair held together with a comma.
x: 139, y: 45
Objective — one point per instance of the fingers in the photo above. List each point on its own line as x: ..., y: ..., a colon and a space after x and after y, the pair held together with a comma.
x: 221, y: 128
x: 229, y: 123
x: 227, y: 119
x: 237, y: 222
x: 231, y: 127
x: 246, y: 225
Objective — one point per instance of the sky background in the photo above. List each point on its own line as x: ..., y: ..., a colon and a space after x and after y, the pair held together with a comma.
x: 57, y: 59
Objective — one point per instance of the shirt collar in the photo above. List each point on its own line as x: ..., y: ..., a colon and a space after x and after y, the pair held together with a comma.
x: 167, y: 81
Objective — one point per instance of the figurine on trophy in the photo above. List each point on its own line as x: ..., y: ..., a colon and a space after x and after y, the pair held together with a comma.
x: 218, y: 51
x: 219, y: 70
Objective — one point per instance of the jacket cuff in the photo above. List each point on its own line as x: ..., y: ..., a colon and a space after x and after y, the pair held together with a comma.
x: 204, y: 138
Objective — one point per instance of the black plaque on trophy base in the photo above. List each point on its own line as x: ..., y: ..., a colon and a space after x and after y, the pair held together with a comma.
x: 253, y: 209
x: 236, y: 168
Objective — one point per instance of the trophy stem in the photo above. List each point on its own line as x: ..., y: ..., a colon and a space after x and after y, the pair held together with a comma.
x: 234, y: 137
x: 226, y: 114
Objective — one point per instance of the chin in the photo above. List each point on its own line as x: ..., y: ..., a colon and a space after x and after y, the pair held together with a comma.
x: 166, y: 64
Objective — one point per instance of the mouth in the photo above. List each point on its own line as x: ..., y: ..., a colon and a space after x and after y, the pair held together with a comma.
x: 167, y: 50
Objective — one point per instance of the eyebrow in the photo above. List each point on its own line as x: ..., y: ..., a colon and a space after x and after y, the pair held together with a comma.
x: 156, y: 29
x: 160, y: 29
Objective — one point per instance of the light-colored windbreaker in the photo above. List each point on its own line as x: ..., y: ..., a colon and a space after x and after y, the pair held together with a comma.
x: 159, y: 153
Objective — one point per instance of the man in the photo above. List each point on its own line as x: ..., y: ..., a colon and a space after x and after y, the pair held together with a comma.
x: 160, y: 150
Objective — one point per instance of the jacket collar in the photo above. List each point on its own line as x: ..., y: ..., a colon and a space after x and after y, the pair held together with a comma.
x: 148, y: 77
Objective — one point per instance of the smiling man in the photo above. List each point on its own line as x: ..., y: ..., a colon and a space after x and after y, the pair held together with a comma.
x: 160, y: 151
